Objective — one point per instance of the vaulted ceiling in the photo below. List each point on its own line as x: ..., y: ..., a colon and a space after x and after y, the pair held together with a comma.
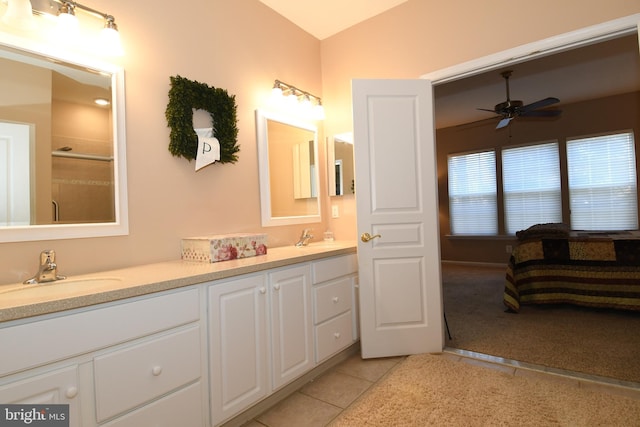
x: 603, y: 69
x: 324, y: 18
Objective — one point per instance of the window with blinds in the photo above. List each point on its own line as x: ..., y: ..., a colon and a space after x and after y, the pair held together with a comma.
x: 531, y: 186
x: 602, y: 182
x: 472, y: 193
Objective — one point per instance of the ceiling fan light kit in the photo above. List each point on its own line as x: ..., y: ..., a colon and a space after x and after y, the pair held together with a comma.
x: 510, y: 109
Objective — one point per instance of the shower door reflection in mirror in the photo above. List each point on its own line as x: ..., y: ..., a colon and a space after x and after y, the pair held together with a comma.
x: 62, y: 158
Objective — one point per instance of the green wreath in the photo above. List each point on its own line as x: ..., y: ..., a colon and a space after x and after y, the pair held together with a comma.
x: 186, y: 95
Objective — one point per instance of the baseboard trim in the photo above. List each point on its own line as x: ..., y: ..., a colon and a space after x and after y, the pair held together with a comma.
x: 475, y: 264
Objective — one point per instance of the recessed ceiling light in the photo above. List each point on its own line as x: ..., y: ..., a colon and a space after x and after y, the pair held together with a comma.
x: 102, y: 101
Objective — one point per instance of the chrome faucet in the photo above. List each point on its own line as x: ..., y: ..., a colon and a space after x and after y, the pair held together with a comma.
x: 48, y: 270
x: 305, y: 237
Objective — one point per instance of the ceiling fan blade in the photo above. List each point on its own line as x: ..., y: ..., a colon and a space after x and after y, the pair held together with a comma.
x: 541, y: 113
x: 539, y: 104
x: 504, y: 122
x: 486, y: 109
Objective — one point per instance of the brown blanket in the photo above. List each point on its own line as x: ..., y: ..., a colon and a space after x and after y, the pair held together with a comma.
x: 588, y: 269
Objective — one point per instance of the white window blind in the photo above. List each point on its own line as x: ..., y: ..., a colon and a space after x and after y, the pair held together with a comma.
x: 472, y: 193
x: 602, y: 182
x: 531, y: 185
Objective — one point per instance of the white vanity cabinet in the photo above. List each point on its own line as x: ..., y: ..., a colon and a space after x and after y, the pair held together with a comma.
x: 238, y: 347
x: 196, y: 354
x: 335, y: 305
x: 58, y: 386
x: 268, y: 329
x: 291, y: 323
x: 110, y: 363
x: 260, y: 336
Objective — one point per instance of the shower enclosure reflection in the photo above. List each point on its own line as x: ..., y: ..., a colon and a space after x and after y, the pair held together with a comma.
x: 68, y: 139
x: 62, y: 164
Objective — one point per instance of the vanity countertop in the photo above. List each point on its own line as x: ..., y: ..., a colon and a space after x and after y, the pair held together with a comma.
x: 19, y: 301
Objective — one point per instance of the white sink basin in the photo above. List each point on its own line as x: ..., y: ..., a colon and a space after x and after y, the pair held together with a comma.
x: 61, y: 285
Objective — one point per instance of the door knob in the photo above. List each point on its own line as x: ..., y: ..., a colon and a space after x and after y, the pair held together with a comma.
x: 366, y: 237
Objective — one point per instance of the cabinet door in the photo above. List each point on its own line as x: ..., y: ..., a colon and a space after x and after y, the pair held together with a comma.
x: 55, y: 387
x: 238, y: 345
x: 291, y: 323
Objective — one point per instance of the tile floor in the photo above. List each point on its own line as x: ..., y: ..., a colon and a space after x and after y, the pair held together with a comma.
x: 318, y: 402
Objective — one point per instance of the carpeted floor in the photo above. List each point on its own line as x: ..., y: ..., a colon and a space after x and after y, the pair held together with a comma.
x: 591, y: 341
x: 428, y: 390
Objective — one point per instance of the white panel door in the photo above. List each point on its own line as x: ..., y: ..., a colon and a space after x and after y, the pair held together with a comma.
x: 396, y: 197
x: 15, y: 172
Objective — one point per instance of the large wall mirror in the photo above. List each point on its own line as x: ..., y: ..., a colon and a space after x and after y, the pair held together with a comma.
x: 62, y: 146
x: 341, y: 165
x: 288, y: 160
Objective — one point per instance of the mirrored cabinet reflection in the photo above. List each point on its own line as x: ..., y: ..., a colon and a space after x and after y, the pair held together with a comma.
x: 341, y: 164
x: 287, y: 157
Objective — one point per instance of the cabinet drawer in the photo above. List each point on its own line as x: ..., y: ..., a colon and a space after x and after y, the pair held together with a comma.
x: 333, y: 336
x: 332, y: 299
x: 182, y: 408
x: 85, y: 331
x: 134, y: 375
x: 334, y: 267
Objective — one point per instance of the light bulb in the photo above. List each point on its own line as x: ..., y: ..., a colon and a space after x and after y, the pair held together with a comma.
x: 292, y: 100
x: 19, y: 15
x: 67, y: 27
x: 110, y: 42
x: 318, y: 111
x: 306, y: 108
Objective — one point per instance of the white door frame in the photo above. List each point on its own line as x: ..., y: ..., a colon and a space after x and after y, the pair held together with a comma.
x: 556, y: 44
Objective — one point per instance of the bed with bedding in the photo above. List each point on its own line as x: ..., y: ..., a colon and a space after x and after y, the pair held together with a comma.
x: 554, y: 265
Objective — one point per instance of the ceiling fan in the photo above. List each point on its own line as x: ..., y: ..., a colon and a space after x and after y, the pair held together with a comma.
x: 511, y: 109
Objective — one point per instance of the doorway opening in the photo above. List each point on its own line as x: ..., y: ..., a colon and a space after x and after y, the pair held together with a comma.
x: 467, y: 77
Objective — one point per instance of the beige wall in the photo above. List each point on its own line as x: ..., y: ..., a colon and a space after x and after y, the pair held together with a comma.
x: 419, y: 37
x: 243, y: 46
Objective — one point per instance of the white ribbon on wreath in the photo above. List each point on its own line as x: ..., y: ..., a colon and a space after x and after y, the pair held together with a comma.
x: 208, y: 148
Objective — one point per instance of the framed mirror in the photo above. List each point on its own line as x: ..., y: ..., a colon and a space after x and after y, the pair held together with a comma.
x: 341, y: 165
x: 287, y: 157
x: 62, y: 155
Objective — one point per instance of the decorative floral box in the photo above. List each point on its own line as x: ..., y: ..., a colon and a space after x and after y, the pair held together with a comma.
x: 223, y: 247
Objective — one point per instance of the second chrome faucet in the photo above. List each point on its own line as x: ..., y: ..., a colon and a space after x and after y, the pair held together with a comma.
x: 305, y: 237
x: 48, y: 269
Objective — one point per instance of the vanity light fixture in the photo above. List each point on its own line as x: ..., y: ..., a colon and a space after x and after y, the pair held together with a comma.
x: 68, y: 26
x: 19, y: 14
x: 297, y: 100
